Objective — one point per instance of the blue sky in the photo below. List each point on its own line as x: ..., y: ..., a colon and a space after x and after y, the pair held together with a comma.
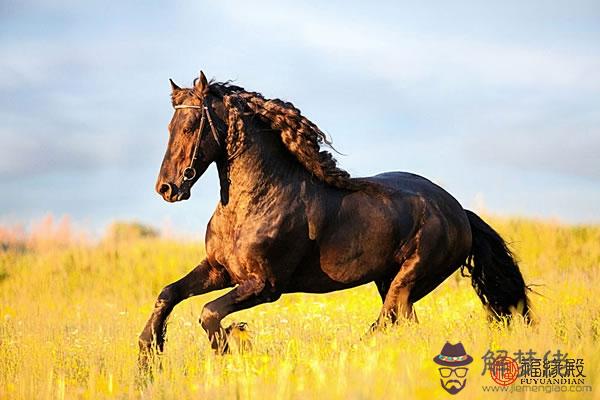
x: 499, y: 102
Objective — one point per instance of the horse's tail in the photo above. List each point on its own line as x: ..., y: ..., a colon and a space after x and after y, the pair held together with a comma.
x: 495, y: 274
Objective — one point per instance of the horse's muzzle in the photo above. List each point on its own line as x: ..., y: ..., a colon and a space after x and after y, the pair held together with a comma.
x: 171, y: 193
x: 182, y: 196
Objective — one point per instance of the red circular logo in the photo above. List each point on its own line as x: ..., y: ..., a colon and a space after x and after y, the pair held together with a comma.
x: 504, y: 371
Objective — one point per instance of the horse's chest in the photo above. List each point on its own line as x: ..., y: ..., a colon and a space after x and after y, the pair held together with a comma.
x: 251, y: 244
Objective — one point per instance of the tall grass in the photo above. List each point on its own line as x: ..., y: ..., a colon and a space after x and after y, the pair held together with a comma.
x: 70, y: 315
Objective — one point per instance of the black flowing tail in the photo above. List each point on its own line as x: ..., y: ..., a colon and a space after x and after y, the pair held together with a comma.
x: 495, y: 274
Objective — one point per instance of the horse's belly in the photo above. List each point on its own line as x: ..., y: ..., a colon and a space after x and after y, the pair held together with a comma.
x: 313, y: 276
x: 362, y: 244
x: 360, y: 264
x: 346, y: 259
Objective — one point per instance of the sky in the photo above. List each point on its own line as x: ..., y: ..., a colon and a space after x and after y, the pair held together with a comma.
x: 498, y: 102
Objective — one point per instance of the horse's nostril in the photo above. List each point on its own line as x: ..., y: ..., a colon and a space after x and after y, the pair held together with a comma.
x: 164, y: 188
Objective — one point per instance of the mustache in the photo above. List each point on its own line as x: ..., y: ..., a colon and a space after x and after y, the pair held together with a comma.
x: 452, y: 382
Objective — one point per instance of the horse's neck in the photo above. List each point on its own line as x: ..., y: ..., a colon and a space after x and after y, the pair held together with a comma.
x: 264, y: 170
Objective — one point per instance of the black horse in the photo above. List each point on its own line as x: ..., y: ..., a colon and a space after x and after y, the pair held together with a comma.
x: 290, y: 220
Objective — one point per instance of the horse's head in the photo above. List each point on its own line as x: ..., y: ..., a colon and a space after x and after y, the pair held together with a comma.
x: 194, y: 141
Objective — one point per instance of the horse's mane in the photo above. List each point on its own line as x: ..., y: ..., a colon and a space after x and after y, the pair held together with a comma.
x: 301, y: 137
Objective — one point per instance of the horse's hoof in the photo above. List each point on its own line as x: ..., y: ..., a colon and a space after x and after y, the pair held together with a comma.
x: 375, y: 327
x: 239, y: 337
x: 236, y: 327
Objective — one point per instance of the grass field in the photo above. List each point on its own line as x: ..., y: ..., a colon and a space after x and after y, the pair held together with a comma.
x: 70, y: 315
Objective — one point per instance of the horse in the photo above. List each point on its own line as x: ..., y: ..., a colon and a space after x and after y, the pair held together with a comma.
x: 290, y: 220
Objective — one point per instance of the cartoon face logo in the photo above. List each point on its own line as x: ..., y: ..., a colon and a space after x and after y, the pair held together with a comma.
x: 453, y: 373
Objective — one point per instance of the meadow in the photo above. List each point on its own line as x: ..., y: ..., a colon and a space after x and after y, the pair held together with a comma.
x: 71, y: 311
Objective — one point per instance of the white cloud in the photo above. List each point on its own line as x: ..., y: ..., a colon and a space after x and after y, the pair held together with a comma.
x: 403, y: 56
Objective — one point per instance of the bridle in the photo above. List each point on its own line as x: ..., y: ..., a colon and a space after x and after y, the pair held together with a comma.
x: 190, y: 172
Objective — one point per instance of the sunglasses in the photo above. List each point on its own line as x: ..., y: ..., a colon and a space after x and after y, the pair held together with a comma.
x: 459, y: 372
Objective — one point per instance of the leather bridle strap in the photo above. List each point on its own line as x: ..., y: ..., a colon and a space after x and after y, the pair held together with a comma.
x: 190, y: 172
x: 206, y: 112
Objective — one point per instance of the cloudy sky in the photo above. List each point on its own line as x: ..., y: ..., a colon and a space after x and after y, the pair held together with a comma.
x: 499, y: 102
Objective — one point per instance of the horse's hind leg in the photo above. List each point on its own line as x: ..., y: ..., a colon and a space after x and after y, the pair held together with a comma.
x: 383, y: 286
x: 396, y: 303
x: 202, y: 279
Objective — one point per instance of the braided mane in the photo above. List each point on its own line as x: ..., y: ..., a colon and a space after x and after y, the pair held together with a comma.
x: 300, y: 136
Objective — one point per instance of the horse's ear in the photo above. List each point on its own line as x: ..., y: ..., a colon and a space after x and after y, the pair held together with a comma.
x: 174, y: 86
x: 201, y: 84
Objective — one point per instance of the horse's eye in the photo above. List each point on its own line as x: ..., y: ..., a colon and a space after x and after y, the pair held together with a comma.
x: 187, y: 130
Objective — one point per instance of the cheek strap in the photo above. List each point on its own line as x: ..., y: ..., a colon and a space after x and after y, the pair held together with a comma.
x: 190, y: 172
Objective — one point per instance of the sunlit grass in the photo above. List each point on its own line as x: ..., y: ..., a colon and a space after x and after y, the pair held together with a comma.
x: 70, y: 316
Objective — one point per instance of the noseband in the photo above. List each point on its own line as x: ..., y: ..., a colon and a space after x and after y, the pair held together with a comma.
x: 190, y: 172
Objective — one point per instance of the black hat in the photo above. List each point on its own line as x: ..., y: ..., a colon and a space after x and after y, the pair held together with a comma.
x: 453, y: 355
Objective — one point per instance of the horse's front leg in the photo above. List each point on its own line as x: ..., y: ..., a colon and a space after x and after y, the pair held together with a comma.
x: 246, y: 295
x: 202, y: 279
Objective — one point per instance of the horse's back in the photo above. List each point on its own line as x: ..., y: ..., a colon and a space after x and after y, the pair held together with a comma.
x: 408, y: 184
x: 439, y: 205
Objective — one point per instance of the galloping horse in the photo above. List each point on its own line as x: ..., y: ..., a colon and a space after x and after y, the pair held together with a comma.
x: 290, y: 220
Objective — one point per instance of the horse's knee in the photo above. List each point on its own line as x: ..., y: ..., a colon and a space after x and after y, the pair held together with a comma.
x: 148, y: 343
x: 209, y: 318
x: 145, y: 341
x: 168, y: 295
